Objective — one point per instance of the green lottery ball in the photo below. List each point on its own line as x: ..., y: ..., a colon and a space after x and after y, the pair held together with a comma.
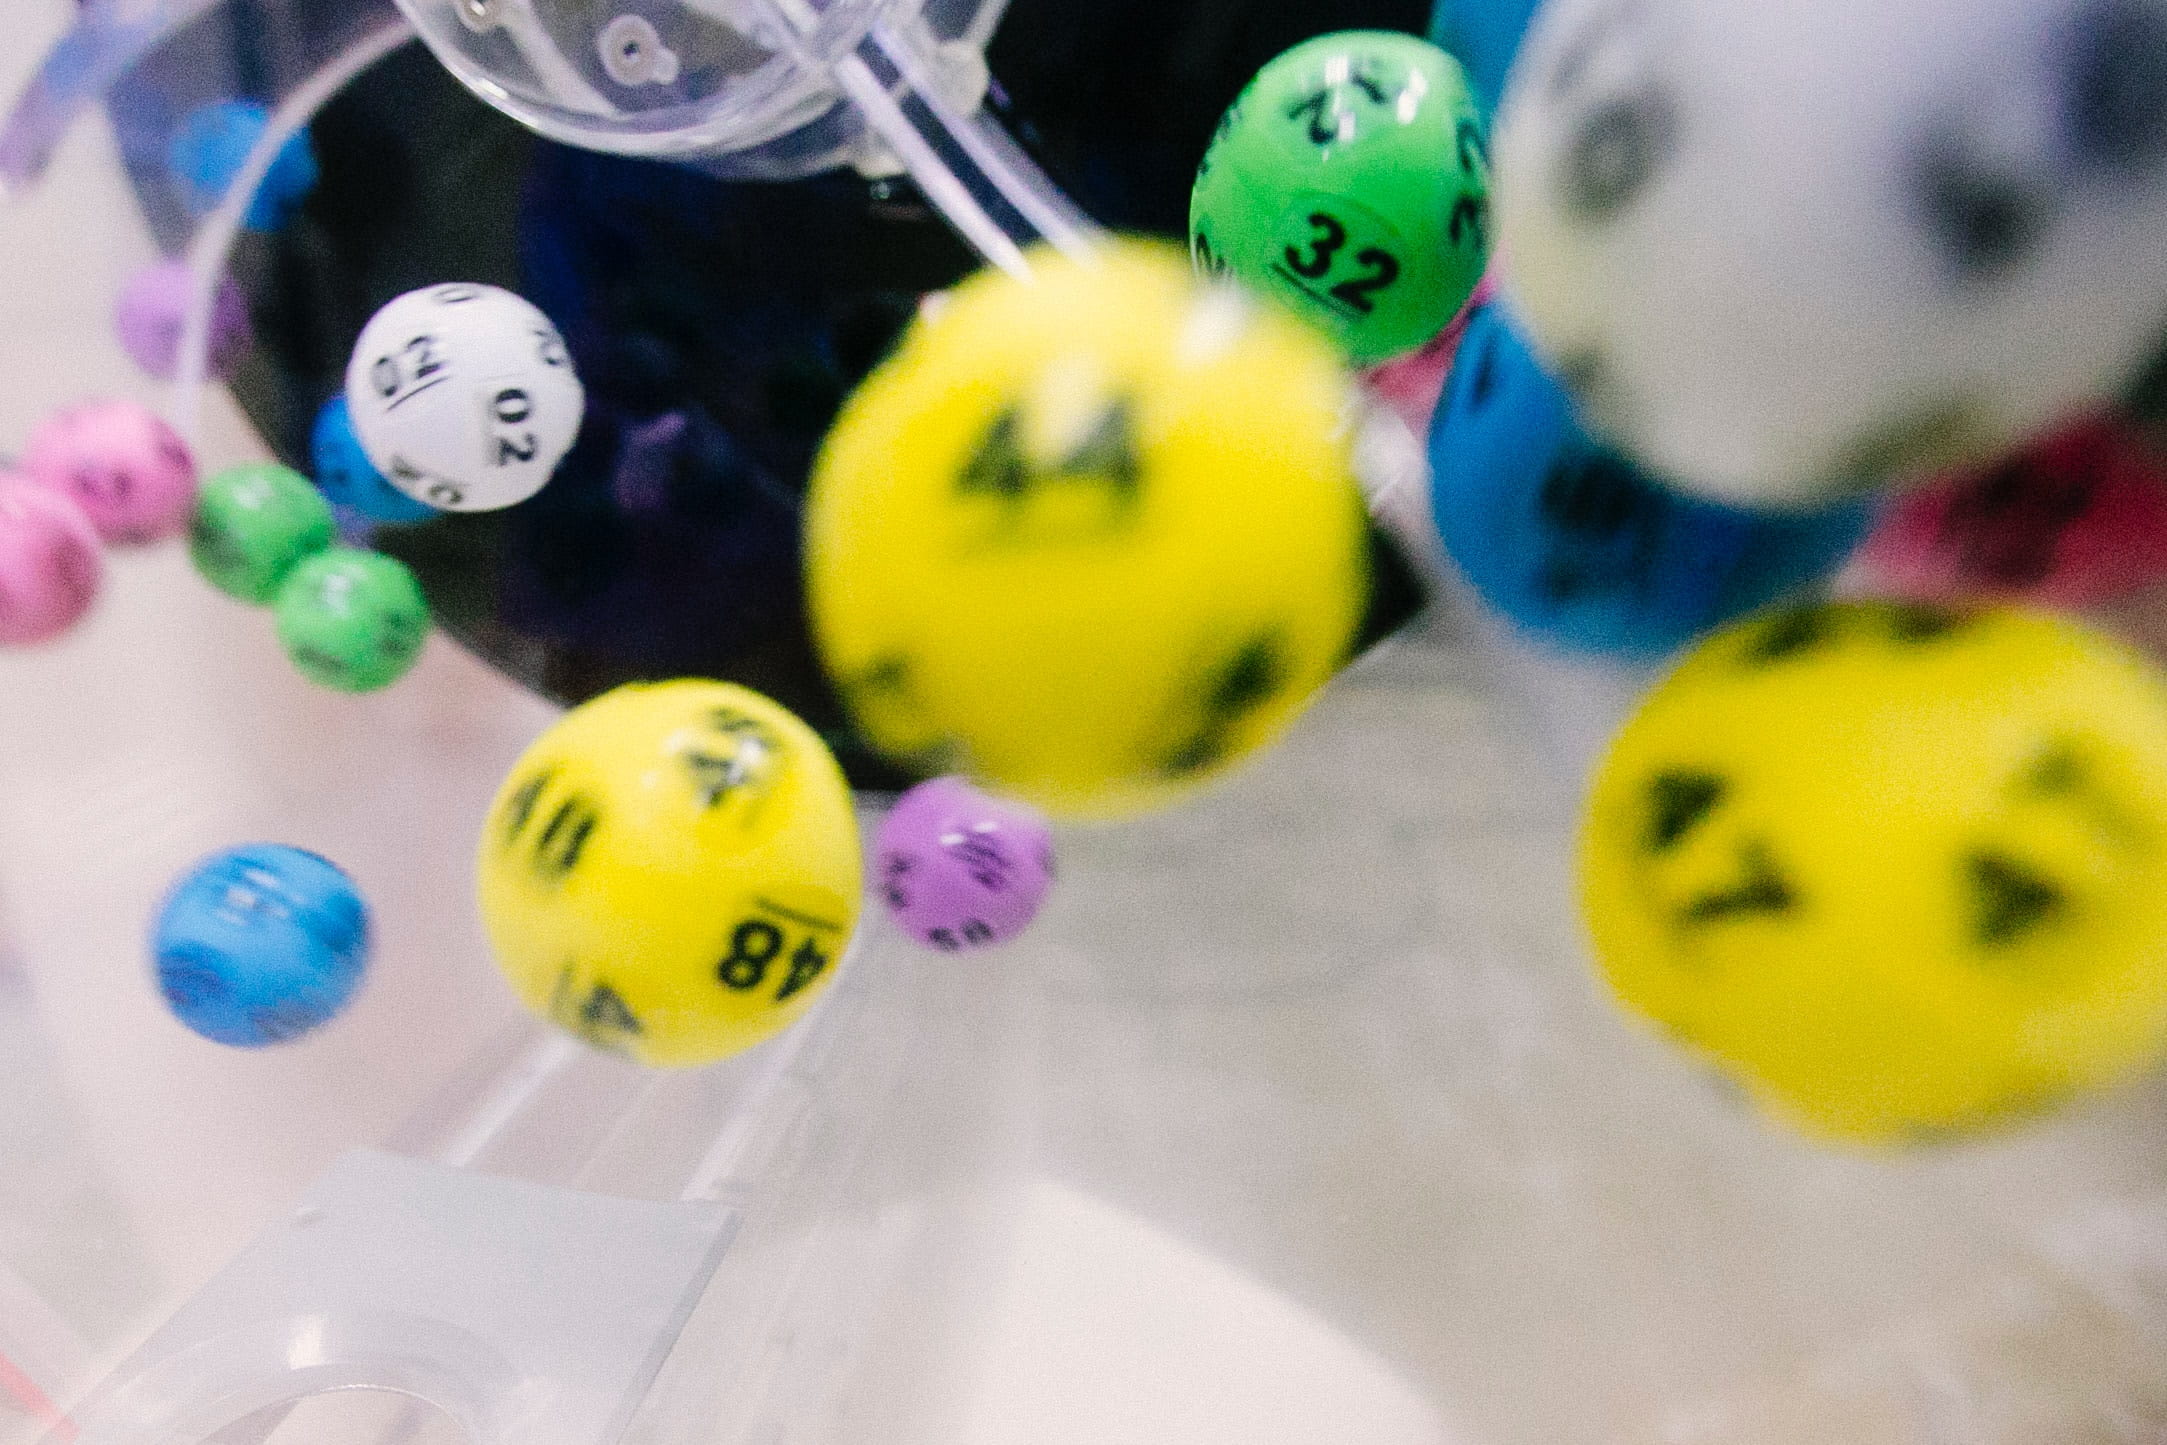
x: 253, y: 525
x: 1349, y: 180
x: 352, y: 621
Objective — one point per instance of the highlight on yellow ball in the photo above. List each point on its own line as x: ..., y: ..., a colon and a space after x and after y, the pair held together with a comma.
x: 1900, y: 871
x: 672, y: 871
x: 1090, y: 538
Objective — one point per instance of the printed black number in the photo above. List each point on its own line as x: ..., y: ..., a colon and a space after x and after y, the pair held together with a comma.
x: 568, y: 829
x: 1760, y: 889
x: 551, y: 351
x: 511, y: 407
x: 894, y: 869
x: 1316, y: 107
x: 456, y: 294
x: 806, y: 965
x: 1384, y: 269
x: 1330, y: 238
x: 754, y: 946
x: 1470, y: 218
x: 989, y: 866
x: 1208, y: 259
x: 1473, y: 158
x: 402, y: 373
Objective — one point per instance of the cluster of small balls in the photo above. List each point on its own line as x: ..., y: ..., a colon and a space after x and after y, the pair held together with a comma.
x: 350, y: 620
x: 98, y: 473
x: 1893, y: 864
x: 204, y: 157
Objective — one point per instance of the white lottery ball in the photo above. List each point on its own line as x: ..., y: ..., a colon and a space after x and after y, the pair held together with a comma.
x: 1784, y: 248
x: 464, y: 396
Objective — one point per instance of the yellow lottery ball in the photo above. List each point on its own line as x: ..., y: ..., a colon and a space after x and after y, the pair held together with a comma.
x: 671, y: 872
x: 1091, y: 538
x: 1901, y: 871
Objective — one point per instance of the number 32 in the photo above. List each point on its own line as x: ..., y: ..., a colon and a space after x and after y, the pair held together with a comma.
x: 1356, y: 293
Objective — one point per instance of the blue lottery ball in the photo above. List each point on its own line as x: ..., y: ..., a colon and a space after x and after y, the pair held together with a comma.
x: 260, y: 944
x: 1484, y: 36
x: 346, y: 476
x: 210, y: 145
x: 1579, y: 548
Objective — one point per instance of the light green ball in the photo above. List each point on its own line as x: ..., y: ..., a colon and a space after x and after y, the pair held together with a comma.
x: 253, y: 525
x: 352, y: 621
x: 1349, y: 181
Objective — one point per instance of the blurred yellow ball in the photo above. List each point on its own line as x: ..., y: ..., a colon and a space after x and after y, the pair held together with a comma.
x: 1091, y: 538
x: 1901, y: 871
x: 671, y: 872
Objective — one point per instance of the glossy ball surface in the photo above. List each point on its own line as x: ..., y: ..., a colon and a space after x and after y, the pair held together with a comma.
x: 211, y: 144
x: 2076, y: 518
x: 672, y: 871
x: 960, y: 869
x: 463, y: 396
x: 1789, y: 247
x: 352, y: 621
x: 1349, y: 183
x: 51, y: 566
x: 260, y: 945
x: 1578, y: 548
x: 1895, y: 868
x: 153, y: 309
x: 346, y: 476
x: 253, y: 525
x: 1090, y: 540
x: 129, y: 472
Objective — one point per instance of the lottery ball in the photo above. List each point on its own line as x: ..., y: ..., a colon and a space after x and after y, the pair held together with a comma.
x: 260, y: 945
x: 1787, y: 247
x: 208, y: 148
x: 153, y: 307
x: 1484, y: 36
x: 253, y: 525
x: 962, y: 870
x: 1348, y: 181
x: 1577, y: 547
x: 1089, y: 539
x: 2076, y: 518
x: 463, y: 397
x: 671, y: 872
x: 347, y: 478
x: 50, y: 564
x: 352, y: 621
x: 1896, y: 868
x: 128, y: 471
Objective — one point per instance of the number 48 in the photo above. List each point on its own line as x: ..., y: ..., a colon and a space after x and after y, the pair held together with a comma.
x: 755, y: 945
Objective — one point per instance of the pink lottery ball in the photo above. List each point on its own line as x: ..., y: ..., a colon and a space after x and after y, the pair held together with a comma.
x: 962, y: 870
x: 124, y: 467
x: 2076, y: 518
x: 152, y: 308
x: 50, y: 565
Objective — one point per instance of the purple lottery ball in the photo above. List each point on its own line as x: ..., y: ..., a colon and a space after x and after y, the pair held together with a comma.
x: 961, y: 870
x: 152, y: 306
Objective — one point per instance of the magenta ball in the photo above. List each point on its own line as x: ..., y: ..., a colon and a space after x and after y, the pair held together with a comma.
x: 50, y: 565
x: 2077, y: 517
x: 962, y: 870
x: 152, y: 307
x: 128, y: 471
